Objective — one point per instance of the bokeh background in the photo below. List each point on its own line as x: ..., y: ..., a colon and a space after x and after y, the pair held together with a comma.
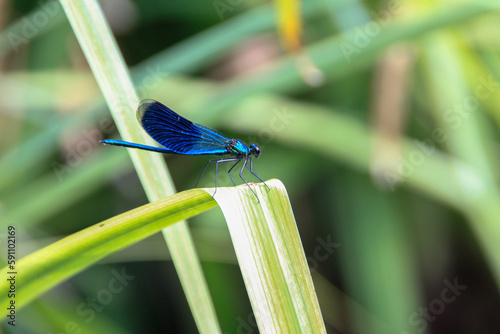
x: 380, y: 117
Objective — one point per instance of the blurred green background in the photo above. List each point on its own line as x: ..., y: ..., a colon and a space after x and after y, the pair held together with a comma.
x: 383, y: 128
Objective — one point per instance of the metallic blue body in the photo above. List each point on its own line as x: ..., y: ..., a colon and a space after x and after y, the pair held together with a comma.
x: 178, y: 135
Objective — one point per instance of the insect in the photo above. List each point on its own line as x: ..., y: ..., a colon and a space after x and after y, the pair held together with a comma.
x: 178, y: 135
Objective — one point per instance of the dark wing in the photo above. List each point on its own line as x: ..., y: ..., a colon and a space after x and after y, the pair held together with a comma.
x: 178, y: 134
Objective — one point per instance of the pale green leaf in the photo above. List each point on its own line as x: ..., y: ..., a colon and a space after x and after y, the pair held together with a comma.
x: 271, y: 258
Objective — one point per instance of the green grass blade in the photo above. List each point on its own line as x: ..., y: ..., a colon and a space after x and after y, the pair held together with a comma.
x: 271, y: 258
x: 330, y: 56
x: 43, y: 269
x: 109, y: 69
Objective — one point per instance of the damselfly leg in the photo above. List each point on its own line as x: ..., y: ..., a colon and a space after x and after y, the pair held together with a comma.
x: 217, y: 162
x: 251, y: 171
x: 237, y: 161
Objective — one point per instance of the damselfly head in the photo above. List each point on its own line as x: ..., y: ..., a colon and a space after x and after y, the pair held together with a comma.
x: 255, y: 150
